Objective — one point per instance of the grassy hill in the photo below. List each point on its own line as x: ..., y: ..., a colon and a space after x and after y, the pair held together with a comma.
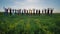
x: 30, y: 24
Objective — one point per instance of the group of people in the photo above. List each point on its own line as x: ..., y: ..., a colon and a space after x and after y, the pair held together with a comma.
x: 28, y: 11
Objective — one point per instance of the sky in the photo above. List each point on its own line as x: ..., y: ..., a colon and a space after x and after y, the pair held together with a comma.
x: 30, y: 4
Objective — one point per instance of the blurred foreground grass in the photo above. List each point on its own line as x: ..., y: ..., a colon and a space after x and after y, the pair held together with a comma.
x: 30, y: 24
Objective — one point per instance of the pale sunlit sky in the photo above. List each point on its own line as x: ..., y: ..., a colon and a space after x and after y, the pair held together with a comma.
x: 30, y: 4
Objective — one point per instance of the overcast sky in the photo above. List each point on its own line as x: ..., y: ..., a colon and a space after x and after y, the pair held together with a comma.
x: 30, y: 4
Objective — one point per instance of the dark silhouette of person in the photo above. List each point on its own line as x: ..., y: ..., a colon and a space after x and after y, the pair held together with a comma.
x: 6, y: 11
x: 33, y: 11
x: 36, y: 11
x: 45, y: 11
x: 19, y: 11
x: 48, y: 11
x: 27, y: 12
x: 30, y: 11
x: 10, y: 11
x: 24, y: 11
x: 51, y: 11
x: 42, y: 11
x: 39, y: 11
x: 13, y: 11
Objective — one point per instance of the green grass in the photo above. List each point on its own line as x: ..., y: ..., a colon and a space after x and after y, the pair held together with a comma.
x: 33, y: 24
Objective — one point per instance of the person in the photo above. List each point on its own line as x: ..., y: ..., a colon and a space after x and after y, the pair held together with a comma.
x: 51, y: 11
x: 15, y: 11
x: 45, y: 11
x: 48, y: 11
x: 42, y: 11
x: 6, y: 11
x: 36, y: 11
x: 27, y: 12
x: 30, y: 11
x: 33, y: 11
x: 24, y: 11
x: 19, y: 11
x: 39, y: 11
x: 10, y: 11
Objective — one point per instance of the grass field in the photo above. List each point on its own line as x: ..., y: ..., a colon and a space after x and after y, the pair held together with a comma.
x: 30, y: 24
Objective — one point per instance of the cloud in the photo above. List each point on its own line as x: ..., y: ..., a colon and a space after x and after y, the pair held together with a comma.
x: 20, y: 3
x: 32, y: 0
x: 25, y: 4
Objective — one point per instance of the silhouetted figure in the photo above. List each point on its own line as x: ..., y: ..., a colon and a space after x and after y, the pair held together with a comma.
x: 6, y: 11
x: 39, y: 11
x: 19, y: 11
x: 30, y: 11
x: 51, y: 11
x: 27, y: 12
x: 10, y: 11
x: 48, y: 11
x: 15, y: 11
x: 45, y: 11
x: 36, y: 11
x: 33, y: 11
x: 24, y: 11
x: 42, y: 11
